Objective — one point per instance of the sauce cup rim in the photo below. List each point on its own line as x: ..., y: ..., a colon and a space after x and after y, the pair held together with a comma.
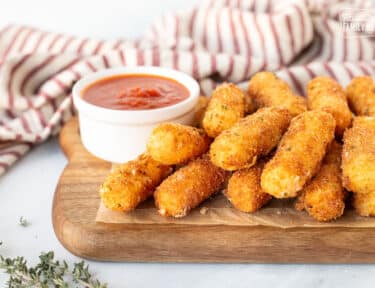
x: 136, y: 116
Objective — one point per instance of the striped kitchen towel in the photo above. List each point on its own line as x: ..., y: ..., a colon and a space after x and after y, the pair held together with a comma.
x: 221, y: 40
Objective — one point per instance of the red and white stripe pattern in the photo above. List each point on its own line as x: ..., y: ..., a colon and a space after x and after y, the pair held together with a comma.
x: 221, y: 40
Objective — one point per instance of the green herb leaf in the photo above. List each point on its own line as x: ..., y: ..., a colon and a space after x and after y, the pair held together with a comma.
x: 47, y: 273
x: 23, y: 222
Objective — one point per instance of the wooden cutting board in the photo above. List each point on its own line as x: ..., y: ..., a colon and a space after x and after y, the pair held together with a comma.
x: 76, y: 202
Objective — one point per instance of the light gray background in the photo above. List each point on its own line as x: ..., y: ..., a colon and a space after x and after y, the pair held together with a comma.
x: 27, y: 189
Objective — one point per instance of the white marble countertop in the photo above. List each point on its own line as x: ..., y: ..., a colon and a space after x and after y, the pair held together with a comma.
x: 27, y: 188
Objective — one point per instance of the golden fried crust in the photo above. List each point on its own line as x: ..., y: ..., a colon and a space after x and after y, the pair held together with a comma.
x: 226, y: 107
x: 269, y: 91
x: 299, y: 154
x: 323, y: 197
x: 299, y: 204
x: 253, y: 136
x: 326, y: 94
x: 188, y: 187
x: 171, y: 143
x: 129, y: 184
x: 250, y: 106
x: 200, y: 109
x: 361, y: 96
x: 244, y: 191
x: 364, y: 203
x: 358, y: 157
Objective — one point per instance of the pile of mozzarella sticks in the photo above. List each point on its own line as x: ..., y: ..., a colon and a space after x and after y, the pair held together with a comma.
x: 265, y: 143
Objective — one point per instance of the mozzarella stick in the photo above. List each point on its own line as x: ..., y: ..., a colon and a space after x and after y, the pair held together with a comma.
x: 358, y: 156
x: 226, y: 107
x: 127, y: 185
x: 250, y: 106
x: 200, y: 109
x: 361, y: 96
x: 323, y: 198
x: 299, y: 154
x: 364, y: 204
x: 299, y: 204
x: 188, y: 187
x: 244, y: 191
x: 171, y: 143
x: 269, y: 91
x: 254, y: 136
x: 326, y: 94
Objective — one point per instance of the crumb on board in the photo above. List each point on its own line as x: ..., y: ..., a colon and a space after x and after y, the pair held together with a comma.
x: 203, y: 210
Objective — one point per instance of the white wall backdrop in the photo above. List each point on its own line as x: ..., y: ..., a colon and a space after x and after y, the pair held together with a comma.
x: 96, y: 18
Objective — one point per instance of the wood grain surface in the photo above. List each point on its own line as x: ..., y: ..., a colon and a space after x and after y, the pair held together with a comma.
x: 76, y: 202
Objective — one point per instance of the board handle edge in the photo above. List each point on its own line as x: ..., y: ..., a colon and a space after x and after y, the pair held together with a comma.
x: 69, y: 137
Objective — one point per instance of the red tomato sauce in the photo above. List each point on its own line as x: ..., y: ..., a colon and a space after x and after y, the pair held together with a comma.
x: 135, y: 92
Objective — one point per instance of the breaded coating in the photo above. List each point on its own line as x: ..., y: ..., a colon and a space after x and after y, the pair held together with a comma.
x: 250, y: 106
x: 226, y: 107
x: 323, y: 198
x: 326, y: 94
x: 358, y: 156
x: 269, y: 91
x: 299, y: 154
x: 188, y: 187
x: 128, y: 184
x: 299, y: 204
x: 361, y: 96
x: 254, y: 136
x: 364, y: 204
x: 200, y: 109
x: 171, y: 143
x: 244, y: 191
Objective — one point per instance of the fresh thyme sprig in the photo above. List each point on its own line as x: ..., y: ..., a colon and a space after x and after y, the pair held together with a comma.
x: 47, y: 273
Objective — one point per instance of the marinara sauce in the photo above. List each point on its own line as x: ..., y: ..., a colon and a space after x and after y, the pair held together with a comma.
x: 135, y: 92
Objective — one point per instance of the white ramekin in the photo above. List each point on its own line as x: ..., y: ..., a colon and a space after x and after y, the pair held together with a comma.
x: 121, y: 135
